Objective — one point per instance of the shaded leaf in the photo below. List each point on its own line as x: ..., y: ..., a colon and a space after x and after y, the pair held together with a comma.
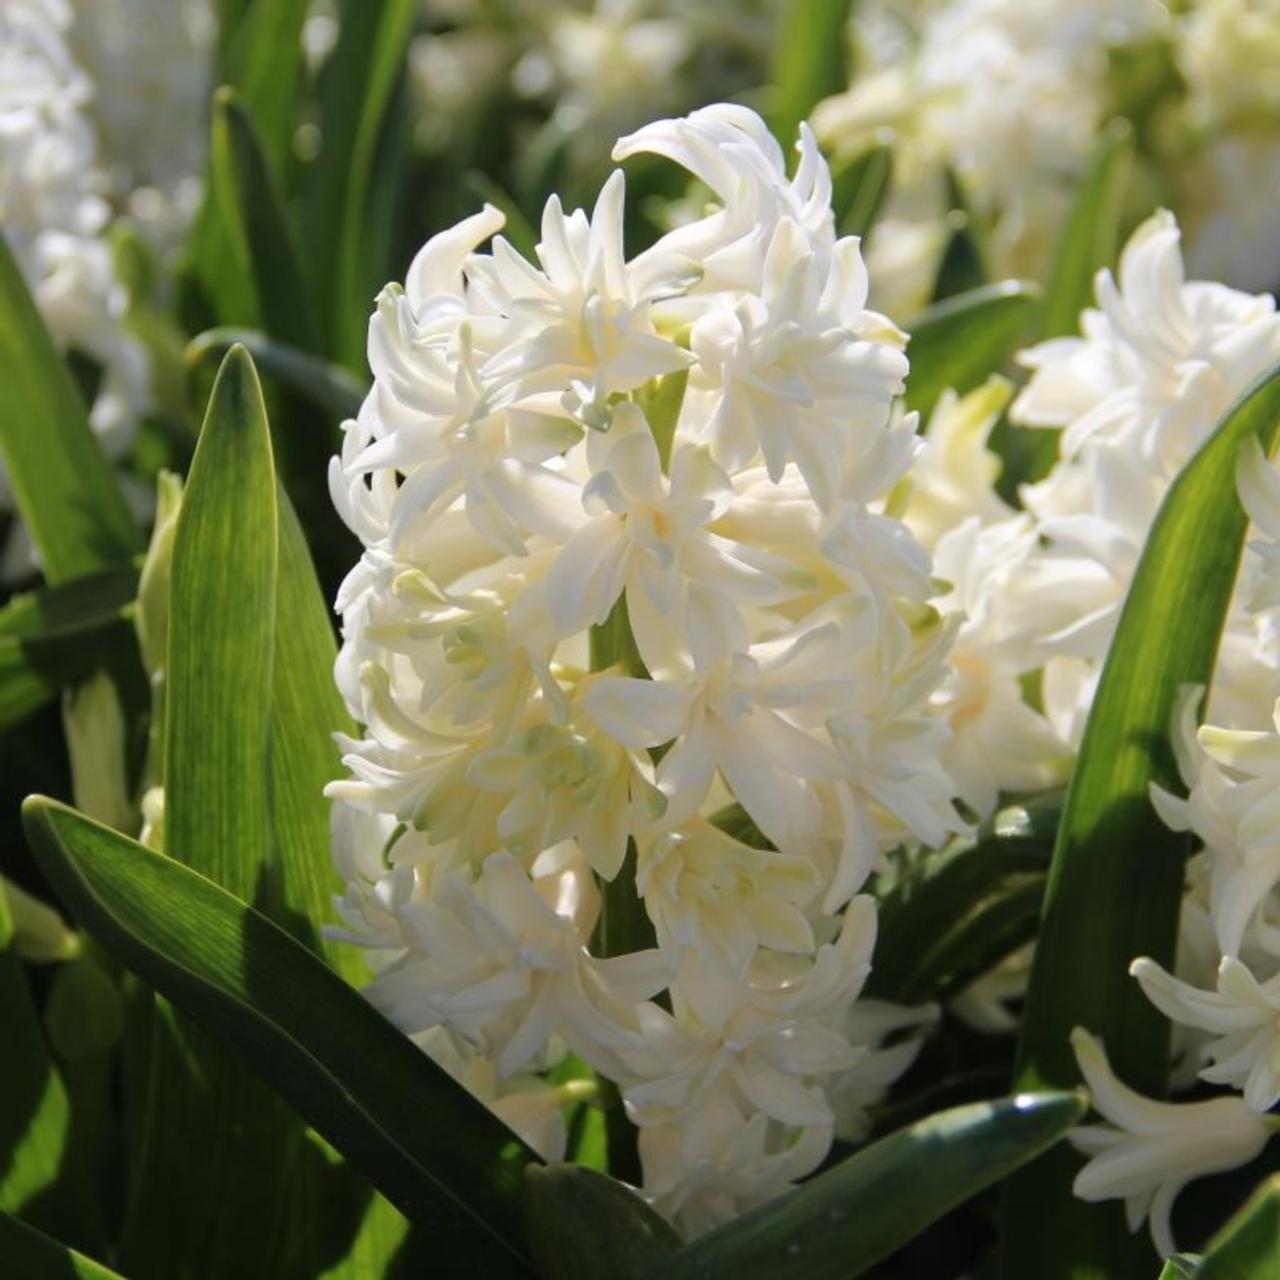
x: 582, y: 1225
x: 52, y: 638
x: 40, y: 1175
x: 435, y: 1151
x: 331, y: 388
x: 30, y: 1255
x: 963, y: 908
x: 842, y: 1222
x: 251, y: 207
x: 358, y: 84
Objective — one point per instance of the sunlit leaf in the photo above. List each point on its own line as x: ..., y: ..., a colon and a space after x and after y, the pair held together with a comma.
x: 28, y: 1254
x: 810, y: 62
x: 1115, y: 885
x: 61, y: 479
x: 959, y: 343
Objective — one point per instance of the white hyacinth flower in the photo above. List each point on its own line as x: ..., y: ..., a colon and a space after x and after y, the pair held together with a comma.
x: 1244, y: 1015
x: 54, y: 211
x: 1148, y: 1151
x: 628, y: 559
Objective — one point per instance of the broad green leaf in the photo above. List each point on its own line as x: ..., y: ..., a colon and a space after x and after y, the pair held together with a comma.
x: 1248, y: 1247
x: 1182, y: 1266
x: 839, y: 1224
x: 810, y: 62
x: 1089, y: 238
x: 252, y: 209
x: 860, y: 186
x: 217, y: 730
x: 962, y: 909
x: 959, y: 343
x: 441, y: 1156
x: 40, y: 1174
x: 582, y: 1225
x: 306, y: 711
x: 221, y: 640
x: 1115, y: 884
x: 52, y: 638
x: 30, y: 1255
x: 357, y: 88
x: 331, y: 388
x: 61, y: 479
x: 380, y: 1239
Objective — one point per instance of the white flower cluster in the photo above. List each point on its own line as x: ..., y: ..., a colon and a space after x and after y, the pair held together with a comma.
x: 1227, y: 52
x: 53, y: 207
x: 151, y: 65
x: 1039, y: 590
x: 598, y: 66
x: 687, y: 451
x: 1008, y: 94
x: 102, y: 112
x: 1157, y: 365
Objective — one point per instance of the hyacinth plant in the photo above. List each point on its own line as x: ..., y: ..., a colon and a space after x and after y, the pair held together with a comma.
x: 753, y: 798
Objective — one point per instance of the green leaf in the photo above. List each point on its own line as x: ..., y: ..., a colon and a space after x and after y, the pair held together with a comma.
x: 959, y: 343
x: 30, y: 1255
x: 964, y: 259
x: 1115, y: 885
x: 860, y: 187
x: 221, y: 639
x: 252, y: 210
x: 842, y: 1222
x: 1089, y: 239
x: 331, y: 388
x: 810, y: 62
x: 52, y: 638
x: 265, y: 67
x: 263, y: 64
x: 217, y: 726
x: 960, y: 910
x: 582, y: 1225
x: 40, y: 1175
x: 1248, y: 1247
x: 435, y: 1151
x: 306, y: 711
x: 61, y: 479
x: 358, y: 84
x: 1182, y: 1266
